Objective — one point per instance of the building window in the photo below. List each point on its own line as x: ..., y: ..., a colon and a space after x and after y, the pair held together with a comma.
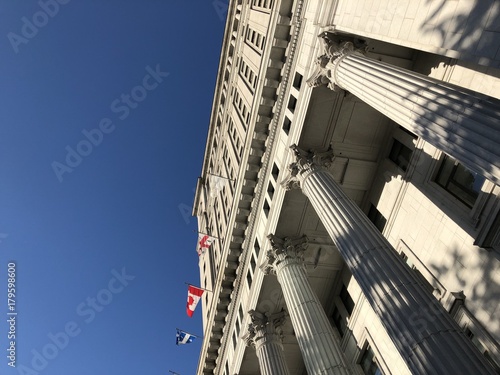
x: 270, y: 190
x: 297, y: 80
x: 255, y: 39
x: 248, y: 75
x: 262, y: 4
x: 287, y: 124
x: 241, y: 109
x: 238, y: 326
x: 478, y: 335
x: 376, y: 218
x: 343, y: 310
x: 368, y: 363
x: 251, y: 270
x: 346, y: 299
x: 419, y: 275
x: 249, y: 279
x: 292, y: 103
x: 492, y: 240
x: 275, y: 172
x: 266, y: 208
x: 400, y: 155
x: 256, y: 247
x: 240, y: 313
x: 459, y: 181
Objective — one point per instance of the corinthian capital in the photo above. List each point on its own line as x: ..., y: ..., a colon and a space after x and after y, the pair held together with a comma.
x: 333, y: 50
x: 284, y: 251
x: 265, y: 327
x: 307, y: 161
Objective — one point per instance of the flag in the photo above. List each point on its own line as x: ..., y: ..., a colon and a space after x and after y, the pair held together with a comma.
x: 183, y: 338
x: 194, y: 295
x: 216, y: 185
x: 204, y: 242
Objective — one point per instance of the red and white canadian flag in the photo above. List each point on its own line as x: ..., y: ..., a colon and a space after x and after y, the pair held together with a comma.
x: 194, y: 295
x: 204, y: 242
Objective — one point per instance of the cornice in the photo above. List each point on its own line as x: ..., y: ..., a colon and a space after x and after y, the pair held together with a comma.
x: 230, y: 282
x: 260, y: 140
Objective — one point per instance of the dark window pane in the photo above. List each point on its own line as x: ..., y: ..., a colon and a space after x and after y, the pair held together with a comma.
x: 346, y: 300
x: 339, y: 322
x: 297, y: 80
x: 460, y: 182
x: 400, y: 155
x: 368, y: 363
x: 376, y: 218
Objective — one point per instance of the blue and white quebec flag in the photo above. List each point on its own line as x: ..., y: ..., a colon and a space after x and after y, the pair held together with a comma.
x: 183, y: 338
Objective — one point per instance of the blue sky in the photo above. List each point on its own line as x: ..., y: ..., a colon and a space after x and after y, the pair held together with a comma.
x: 103, y: 121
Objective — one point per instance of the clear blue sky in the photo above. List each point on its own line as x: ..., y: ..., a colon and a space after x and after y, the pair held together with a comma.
x: 68, y: 221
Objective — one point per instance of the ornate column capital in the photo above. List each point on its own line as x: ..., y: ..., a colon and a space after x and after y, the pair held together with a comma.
x: 265, y: 328
x: 306, y: 162
x: 284, y: 252
x: 333, y: 51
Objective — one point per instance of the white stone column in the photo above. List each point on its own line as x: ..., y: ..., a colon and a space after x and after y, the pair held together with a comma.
x: 423, y: 332
x: 265, y: 334
x: 460, y: 122
x: 320, y: 349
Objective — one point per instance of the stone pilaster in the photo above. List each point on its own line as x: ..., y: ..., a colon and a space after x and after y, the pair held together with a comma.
x: 460, y: 122
x: 423, y: 332
x: 320, y: 349
x: 264, y: 333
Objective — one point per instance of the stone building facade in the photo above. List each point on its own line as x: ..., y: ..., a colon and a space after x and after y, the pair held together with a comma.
x: 357, y: 231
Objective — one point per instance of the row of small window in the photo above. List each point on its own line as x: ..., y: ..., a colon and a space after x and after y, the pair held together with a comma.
x: 253, y: 263
x: 248, y: 75
x: 237, y: 144
x: 270, y: 190
x: 241, y: 108
x: 228, y: 165
x: 262, y: 4
x: 255, y: 39
x: 292, y: 102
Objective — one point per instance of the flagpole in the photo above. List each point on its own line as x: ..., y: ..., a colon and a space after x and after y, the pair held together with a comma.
x: 173, y: 372
x: 189, y: 333
x: 216, y: 175
x: 208, y: 290
x: 206, y: 234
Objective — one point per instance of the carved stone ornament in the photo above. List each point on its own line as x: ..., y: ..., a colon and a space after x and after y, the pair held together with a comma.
x: 306, y: 161
x: 325, y: 64
x: 265, y: 326
x: 283, y: 250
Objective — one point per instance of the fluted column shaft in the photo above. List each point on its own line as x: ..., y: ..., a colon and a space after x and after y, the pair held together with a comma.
x: 271, y: 357
x: 453, y: 119
x: 423, y: 332
x: 320, y: 349
x: 264, y: 333
x: 460, y: 122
